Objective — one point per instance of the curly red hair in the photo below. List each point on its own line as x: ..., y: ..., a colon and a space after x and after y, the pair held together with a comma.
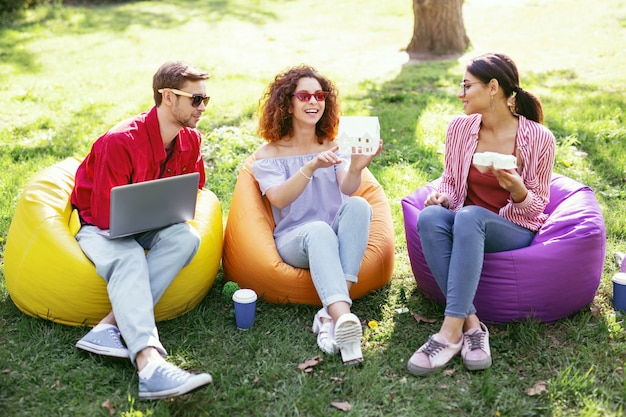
x: 275, y: 121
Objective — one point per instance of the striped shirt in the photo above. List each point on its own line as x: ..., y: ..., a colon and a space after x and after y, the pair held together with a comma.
x: 536, y: 147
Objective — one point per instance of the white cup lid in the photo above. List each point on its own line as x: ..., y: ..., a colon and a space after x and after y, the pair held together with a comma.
x: 620, y: 278
x: 244, y: 296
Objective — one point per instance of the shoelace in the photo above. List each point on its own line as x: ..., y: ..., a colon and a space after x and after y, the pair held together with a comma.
x: 475, y: 340
x: 170, y: 371
x: 432, y: 347
x: 115, y: 335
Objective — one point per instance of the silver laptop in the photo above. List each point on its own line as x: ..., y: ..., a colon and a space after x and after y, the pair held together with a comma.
x: 154, y: 204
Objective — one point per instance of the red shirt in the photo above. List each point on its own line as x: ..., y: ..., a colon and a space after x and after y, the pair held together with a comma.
x: 131, y: 152
x: 483, y: 189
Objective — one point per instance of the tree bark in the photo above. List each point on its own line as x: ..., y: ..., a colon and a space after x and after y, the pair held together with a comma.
x: 438, y: 28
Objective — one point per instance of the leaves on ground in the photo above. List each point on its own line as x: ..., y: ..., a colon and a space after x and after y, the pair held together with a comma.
x: 419, y: 318
x: 308, y: 365
x: 343, y: 406
x: 539, y: 388
x: 595, y: 311
x: 109, y: 406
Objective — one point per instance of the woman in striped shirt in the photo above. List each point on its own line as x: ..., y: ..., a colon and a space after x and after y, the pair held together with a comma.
x: 479, y: 207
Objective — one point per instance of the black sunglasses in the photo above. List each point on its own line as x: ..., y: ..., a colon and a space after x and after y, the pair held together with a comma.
x: 196, y: 99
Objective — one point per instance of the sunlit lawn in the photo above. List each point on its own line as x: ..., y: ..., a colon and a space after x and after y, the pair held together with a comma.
x: 68, y: 74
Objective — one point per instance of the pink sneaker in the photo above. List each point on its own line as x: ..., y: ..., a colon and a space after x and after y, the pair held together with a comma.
x: 476, y: 352
x: 433, y: 355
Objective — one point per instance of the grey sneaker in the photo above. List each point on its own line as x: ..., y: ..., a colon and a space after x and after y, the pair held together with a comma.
x: 476, y: 352
x: 162, y: 380
x: 104, y: 339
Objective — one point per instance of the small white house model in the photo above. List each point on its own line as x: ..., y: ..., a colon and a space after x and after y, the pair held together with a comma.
x: 358, y: 135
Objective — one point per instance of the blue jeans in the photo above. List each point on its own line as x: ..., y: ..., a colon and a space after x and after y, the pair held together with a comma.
x: 454, y: 245
x: 333, y: 253
x: 136, y: 280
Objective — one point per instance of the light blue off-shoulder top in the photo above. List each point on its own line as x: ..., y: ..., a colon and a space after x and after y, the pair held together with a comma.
x: 320, y: 200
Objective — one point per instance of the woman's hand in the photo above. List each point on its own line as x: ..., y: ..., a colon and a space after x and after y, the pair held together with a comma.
x: 435, y: 198
x: 360, y: 162
x: 350, y: 179
x: 511, y: 181
x: 326, y: 158
x: 322, y: 160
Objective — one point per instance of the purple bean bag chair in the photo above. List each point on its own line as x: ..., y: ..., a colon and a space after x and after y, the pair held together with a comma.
x: 557, y: 275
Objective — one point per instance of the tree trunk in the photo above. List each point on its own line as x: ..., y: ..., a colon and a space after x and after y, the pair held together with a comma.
x: 438, y: 29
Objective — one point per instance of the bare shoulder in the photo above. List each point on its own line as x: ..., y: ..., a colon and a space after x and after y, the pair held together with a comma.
x: 289, y: 147
x: 269, y: 150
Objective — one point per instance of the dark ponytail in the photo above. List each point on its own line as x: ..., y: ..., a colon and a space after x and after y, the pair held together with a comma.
x: 501, y: 67
x: 528, y: 105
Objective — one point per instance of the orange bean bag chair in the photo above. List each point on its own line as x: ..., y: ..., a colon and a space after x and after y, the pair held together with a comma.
x: 48, y: 276
x: 251, y: 260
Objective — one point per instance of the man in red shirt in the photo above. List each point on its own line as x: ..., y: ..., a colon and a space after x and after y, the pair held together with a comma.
x: 162, y: 142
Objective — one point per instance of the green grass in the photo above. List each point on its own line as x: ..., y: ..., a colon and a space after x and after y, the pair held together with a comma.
x: 70, y: 73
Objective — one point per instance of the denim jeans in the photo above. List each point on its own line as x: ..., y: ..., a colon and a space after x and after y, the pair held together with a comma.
x: 333, y: 253
x: 136, y: 280
x: 454, y: 245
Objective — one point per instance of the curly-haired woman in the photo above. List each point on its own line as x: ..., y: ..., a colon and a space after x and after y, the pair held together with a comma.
x: 308, y: 184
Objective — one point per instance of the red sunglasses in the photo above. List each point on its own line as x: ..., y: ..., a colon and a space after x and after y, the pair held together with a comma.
x: 304, y: 96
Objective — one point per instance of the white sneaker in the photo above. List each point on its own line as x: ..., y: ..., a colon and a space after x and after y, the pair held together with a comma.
x: 348, y: 334
x: 325, y: 332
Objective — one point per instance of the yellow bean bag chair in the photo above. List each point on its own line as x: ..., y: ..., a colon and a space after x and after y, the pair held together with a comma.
x: 251, y: 260
x: 48, y: 276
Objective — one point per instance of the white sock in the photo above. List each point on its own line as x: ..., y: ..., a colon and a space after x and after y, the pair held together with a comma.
x: 148, y: 370
x: 102, y: 326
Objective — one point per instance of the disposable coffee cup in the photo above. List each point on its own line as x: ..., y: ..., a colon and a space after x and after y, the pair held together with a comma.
x: 245, y: 308
x: 619, y: 291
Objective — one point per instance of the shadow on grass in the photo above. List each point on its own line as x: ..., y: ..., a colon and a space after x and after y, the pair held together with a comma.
x: 43, y: 138
x: 570, y: 358
x: 119, y: 19
x: 401, y: 102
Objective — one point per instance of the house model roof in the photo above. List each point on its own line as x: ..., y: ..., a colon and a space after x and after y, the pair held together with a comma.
x: 359, y: 127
